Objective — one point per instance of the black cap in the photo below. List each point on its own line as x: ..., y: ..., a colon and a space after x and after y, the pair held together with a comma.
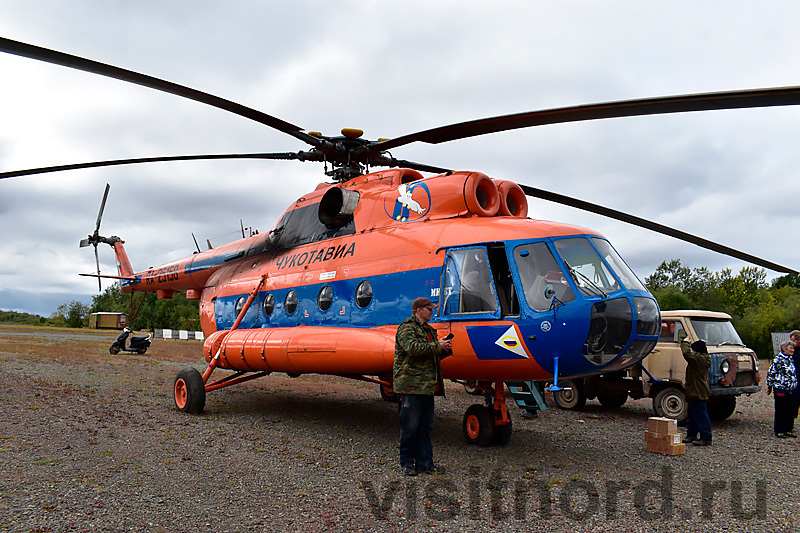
x: 699, y: 347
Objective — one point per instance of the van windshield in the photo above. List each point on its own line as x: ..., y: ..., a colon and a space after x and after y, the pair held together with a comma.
x: 716, y: 332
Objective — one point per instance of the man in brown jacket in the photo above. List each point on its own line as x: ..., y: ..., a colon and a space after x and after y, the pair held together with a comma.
x: 697, y: 391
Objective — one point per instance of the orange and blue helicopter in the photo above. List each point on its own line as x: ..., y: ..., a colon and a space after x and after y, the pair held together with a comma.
x: 325, y: 289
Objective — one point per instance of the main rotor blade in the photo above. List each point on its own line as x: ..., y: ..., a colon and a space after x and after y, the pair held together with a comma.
x: 58, y: 168
x: 421, y: 167
x: 654, y: 226
x: 100, y: 213
x: 779, y: 96
x: 95, y: 67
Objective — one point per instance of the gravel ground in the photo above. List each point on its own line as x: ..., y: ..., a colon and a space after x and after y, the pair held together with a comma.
x: 92, y: 442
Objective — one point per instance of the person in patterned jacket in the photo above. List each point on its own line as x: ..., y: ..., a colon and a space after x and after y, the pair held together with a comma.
x: 782, y: 383
x: 417, y: 375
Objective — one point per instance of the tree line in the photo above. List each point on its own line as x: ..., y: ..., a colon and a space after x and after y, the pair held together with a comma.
x: 174, y: 313
x: 757, y: 308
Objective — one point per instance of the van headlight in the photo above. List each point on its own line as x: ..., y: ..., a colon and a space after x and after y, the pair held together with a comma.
x: 757, y: 365
x: 725, y: 366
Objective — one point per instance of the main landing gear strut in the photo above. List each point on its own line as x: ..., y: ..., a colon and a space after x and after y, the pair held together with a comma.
x: 190, y: 386
x: 489, y: 424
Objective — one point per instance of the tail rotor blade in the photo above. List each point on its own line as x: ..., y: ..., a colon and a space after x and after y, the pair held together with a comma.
x: 100, y: 213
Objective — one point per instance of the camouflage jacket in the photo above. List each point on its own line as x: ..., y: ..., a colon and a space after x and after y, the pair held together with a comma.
x: 697, y: 365
x: 417, y: 356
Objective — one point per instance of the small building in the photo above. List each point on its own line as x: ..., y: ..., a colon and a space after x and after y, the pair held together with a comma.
x: 778, y: 338
x: 108, y: 320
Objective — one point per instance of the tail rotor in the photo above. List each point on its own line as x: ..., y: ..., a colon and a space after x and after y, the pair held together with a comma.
x: 94, y: 239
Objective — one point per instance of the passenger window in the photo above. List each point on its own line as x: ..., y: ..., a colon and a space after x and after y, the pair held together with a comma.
x: 671, y: 331
x: 667, y: 331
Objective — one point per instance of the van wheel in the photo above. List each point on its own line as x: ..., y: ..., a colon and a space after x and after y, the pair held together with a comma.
x: 721, y: 408
x: 471, y: 387
x: 572, y: 399
x: 388, y: 394
x: 670, y: 403
x: 613, y: 399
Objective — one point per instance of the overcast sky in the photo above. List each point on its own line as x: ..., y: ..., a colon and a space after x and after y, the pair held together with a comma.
x: 389, y: 68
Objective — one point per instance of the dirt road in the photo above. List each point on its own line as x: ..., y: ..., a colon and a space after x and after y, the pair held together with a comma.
x: 92, y: 442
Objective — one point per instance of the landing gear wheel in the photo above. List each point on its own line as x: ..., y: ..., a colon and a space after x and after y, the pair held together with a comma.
x: 388, y: 394
x: 721, y: 408
x: 613, y: 399
x: 502, y: 434
x: 478, y: 426
x: 671, y: 403
x: 113, y: 349
x: 571, y: 400
x: 190, y: 391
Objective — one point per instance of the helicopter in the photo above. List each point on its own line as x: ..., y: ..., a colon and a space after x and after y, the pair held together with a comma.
x: 325, y: 289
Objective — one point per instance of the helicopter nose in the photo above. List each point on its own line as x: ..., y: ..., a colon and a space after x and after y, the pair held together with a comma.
x: 611, y: 328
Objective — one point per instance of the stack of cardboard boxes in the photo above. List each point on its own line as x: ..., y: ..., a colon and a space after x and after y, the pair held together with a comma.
x: 662, y: 436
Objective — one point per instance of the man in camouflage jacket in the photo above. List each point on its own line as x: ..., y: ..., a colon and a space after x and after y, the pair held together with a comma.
x: 417, y: 378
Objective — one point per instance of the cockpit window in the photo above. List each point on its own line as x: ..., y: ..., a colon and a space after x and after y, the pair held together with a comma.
x: 587, y: 269
x: 611, y: 256
x: 542, y: 279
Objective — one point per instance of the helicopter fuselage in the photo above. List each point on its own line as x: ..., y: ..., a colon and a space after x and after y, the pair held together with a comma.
x: 338, y: 272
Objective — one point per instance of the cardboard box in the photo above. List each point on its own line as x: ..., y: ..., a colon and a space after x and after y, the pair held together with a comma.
x: 663, y: 438
x: 658, y: 424
x: 666, y: 449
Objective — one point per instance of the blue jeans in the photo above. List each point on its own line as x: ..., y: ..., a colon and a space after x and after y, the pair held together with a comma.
x: 416, y: 425
x: 698, y: 421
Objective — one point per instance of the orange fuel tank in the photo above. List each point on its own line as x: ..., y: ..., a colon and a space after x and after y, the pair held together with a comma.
x: 304, y: 349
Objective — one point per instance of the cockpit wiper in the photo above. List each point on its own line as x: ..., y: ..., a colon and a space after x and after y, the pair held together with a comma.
x: 576, y: 274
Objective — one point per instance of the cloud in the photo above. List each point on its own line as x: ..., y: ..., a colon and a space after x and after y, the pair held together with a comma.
x: 390, y: 69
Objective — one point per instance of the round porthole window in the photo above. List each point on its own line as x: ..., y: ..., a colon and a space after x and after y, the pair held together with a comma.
x: 291, y: 302
x: 363, y: 294
x: 239, y: 305
x: 269, y: 304
x: 325, y: 298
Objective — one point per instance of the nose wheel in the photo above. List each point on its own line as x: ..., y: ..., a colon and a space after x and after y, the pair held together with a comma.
x: 486, y: 425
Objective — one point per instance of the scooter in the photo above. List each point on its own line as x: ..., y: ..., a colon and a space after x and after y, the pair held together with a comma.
x: 138, y: 343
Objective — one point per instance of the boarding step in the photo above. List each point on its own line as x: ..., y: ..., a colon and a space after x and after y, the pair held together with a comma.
x: 527, y: 395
